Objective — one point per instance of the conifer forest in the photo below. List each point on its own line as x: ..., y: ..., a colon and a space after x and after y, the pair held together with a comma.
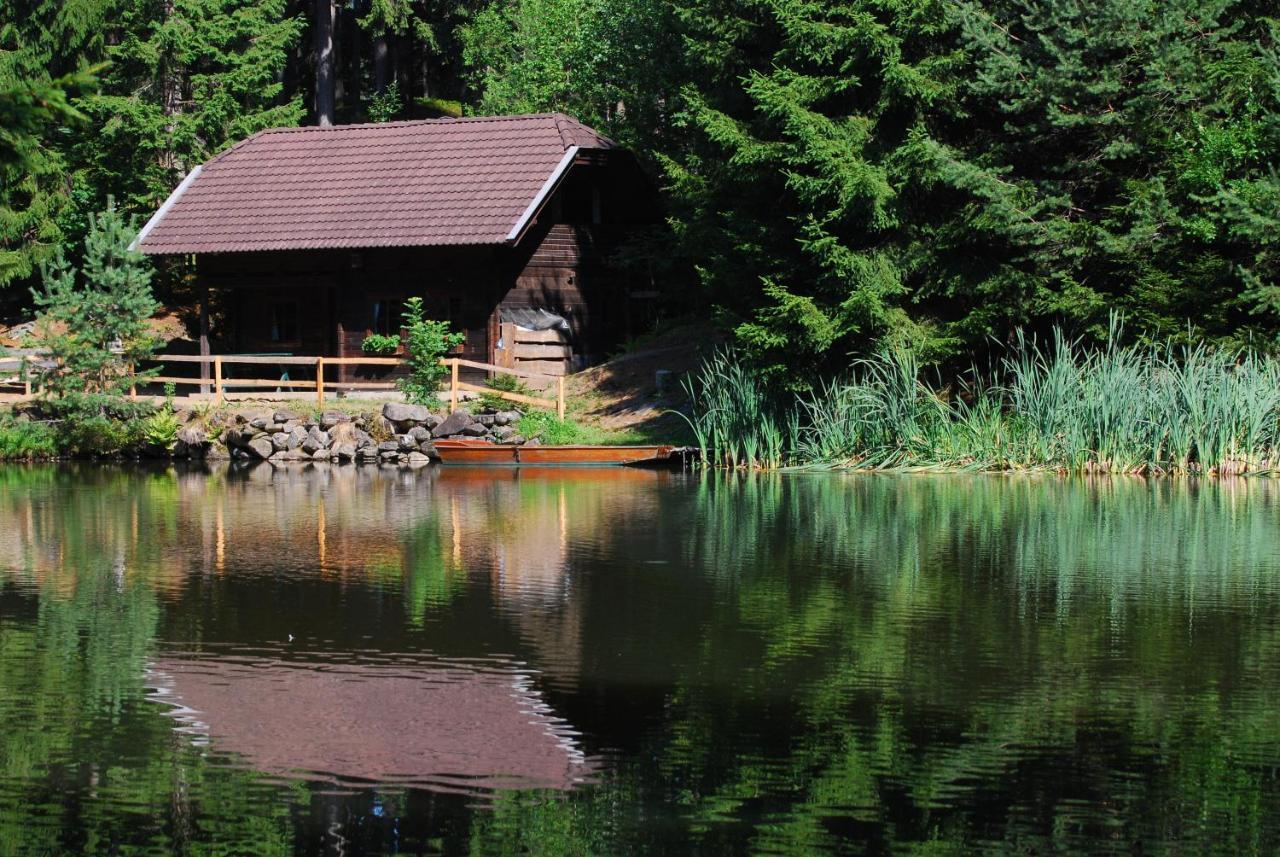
x: 836, y: 177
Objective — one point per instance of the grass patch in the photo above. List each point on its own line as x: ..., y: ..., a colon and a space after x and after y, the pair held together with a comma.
x: 568, y: 432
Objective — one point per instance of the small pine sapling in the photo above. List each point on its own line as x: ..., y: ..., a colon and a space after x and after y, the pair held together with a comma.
x: 427, y: 341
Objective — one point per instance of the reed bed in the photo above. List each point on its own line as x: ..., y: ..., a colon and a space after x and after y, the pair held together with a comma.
x: 1057, y: 405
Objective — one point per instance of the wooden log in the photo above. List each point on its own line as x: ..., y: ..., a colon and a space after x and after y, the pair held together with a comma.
x: 551, y: 335
x: 217, y: 380
x: 361, y: 385
x: 511, y: 397
x: 525, y: 351
x: 542, y: 368
x: 501, y: 370
x: 320, y: 381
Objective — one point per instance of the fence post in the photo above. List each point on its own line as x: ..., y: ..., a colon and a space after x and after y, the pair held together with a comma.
x: 453, y: 386
x: 217, y: 380
x: 320, y: 381
x: 560, y: 397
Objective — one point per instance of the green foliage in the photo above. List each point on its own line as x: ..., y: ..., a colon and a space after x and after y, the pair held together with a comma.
x: 1152, y: 409
x: 213, y: 71
x: 386, y: 105
x: 506, y: 384
x: 546, y: 427
x: 160, y: 429
x: 92, y: 321
x: 1109, y: 157
x: 612, y: 63
x: 378, y: 343
x: 427, y: 342
x: 96, y: 435
x: 737, y: 421
x: 26, y: 440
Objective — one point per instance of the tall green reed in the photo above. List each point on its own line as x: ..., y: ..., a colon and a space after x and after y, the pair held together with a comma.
x: 1056, y: 405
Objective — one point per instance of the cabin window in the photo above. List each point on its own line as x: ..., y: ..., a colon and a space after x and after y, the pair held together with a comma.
x: 386, y: 317
x: 284, y: 321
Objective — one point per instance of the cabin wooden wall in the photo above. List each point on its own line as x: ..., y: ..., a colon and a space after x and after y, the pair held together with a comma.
x: 561, y: 264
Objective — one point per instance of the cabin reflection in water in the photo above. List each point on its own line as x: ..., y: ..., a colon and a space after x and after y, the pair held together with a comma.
x: 381, y: 551
x: 447, y: 727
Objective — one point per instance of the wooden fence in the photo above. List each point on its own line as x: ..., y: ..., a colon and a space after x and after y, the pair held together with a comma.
x: 221, y: 382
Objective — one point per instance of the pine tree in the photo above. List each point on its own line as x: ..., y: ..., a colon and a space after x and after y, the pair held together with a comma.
x: 93, y: 321
x: 187, y: 79
x: 1114, y: 155
x: 46, y: 52
x: 804, y: 118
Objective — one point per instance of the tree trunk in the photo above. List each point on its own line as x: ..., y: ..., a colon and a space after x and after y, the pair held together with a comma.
x: 322, y: 34
x: 170, y: 98
x: 381, y: 63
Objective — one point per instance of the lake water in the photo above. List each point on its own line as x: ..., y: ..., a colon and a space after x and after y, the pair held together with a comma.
x: 358, y: 660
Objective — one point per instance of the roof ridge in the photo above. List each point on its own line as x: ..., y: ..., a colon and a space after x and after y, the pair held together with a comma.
x: 400, y: 123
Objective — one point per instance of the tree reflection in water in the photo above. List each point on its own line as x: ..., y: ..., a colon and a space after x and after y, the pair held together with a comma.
x: 604, y: 662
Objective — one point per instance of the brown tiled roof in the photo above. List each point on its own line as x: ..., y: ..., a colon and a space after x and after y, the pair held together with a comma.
x: 399, y: 184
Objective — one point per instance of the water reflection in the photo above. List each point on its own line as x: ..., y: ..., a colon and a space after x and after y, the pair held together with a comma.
x: 601, y: 662
x: 447, y: 726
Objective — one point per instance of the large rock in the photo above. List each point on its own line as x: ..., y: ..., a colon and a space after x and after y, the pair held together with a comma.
x: 428, y: 448
x: 345, y: 451
x: 504, y: 432
x: 280, y: 441
x: 260, y: 447
x: 296, y: 437
x: 407, y: 443
x: 453, y: 424
x: 389, y: 446
x: 329, y: 419
x: 404, y: 414
x: 475, y: 430
x: 486, y: 420
x: 420, y: 433
x: 193, y: 434
x: 316, y: 440
x: 342, y: 433
x: 417, y: 459
x: 382, y: 427
x: 285, y: 417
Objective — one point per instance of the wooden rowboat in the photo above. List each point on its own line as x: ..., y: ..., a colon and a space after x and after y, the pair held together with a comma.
x: 475, y: 452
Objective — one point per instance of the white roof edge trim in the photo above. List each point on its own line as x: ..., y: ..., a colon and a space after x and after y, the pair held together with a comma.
x: 547, y: 187
x: 164, y: 209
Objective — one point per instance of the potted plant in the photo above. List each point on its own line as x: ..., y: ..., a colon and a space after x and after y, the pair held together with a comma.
x: 380, y: 344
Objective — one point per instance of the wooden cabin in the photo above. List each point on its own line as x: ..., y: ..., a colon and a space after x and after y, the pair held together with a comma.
x: 313, y: 238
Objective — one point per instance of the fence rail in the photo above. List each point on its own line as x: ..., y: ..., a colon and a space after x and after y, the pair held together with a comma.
x: 218, y: 384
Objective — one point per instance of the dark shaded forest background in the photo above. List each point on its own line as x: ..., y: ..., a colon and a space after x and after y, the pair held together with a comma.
x: 837, y: 176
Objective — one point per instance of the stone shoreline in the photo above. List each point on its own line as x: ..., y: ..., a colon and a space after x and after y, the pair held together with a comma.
x: 397, y: 434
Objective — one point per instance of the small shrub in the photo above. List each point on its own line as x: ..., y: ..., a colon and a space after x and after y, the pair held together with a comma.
x: 160, y: 429
x: 428, y: 341
x: 96, y: 435
x: 25, y: 441
x: 506, y: 384
x: 379, y: 343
